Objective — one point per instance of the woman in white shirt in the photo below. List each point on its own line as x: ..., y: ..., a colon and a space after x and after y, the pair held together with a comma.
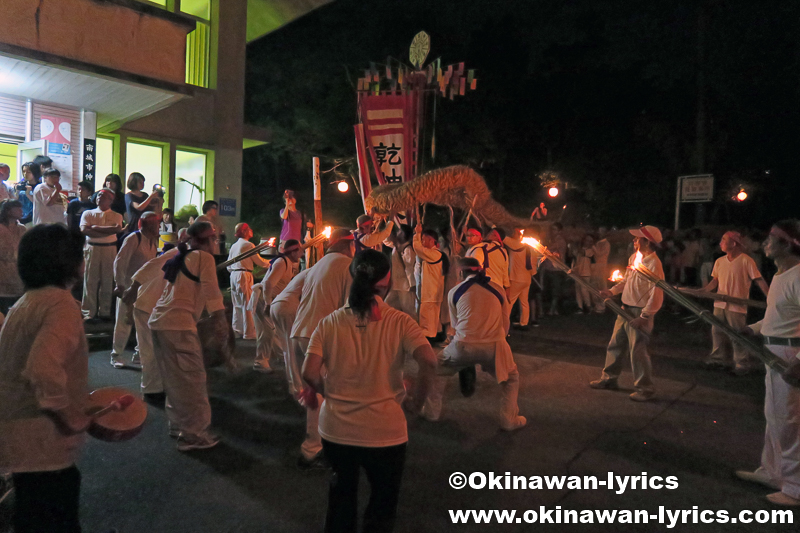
x: 363, y: 346
x: 11, y: 232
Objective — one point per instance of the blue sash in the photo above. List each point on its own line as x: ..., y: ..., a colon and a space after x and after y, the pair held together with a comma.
x: 481, y: 280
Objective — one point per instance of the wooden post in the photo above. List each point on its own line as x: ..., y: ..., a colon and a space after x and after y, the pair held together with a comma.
x: 317, y: 207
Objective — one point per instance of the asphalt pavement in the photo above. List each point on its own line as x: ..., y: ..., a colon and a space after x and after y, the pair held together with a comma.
x: 701, y: 426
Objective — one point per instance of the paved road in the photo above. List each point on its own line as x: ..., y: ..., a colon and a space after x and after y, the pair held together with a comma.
x: 701, y: 427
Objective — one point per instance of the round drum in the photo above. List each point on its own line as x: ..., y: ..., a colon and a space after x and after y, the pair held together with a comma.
x: 115, y: 426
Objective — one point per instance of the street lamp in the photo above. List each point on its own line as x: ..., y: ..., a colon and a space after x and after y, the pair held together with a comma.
x: 343, y: 186
x: 553, y: 192
x: 741, y: 195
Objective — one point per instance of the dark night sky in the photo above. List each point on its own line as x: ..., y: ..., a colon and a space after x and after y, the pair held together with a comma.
x: 605, y: 93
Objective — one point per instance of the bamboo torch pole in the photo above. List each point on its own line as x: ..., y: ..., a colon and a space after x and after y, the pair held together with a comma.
x: 768, y: 358
x: 317, y: 210
x: 609, y: 302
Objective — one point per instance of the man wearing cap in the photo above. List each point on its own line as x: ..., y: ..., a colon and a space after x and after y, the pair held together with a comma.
x: 430, y: 271
x: 281, y: 271
x: 479, y: 313
x: 780, y: 329
x: 642, y: 299
x: 242, y: 281
x: 732, y: 275
x: 325, y: 290
x: 366, y: 238
x: 493, y: 258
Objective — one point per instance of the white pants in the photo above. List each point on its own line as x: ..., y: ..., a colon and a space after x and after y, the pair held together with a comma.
x: 582, y: 295
x: 122, y: 327
x: 480, y: 354
x: 520, y: 291
x: 627, y: 341
x: 98, y: 280
x: 180, y: 359
x: 151, y: 373
x: 241, y: 289
x: 726, y: 351
x: 312, y: 445
x: 780, y: 459
x: 267, y: 349
x: 283, y: 318
x: 429, y: 318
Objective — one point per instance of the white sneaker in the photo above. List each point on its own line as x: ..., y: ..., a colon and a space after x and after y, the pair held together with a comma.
x: 757, y: 477
x: 779, y: 498
x: 263, y: 367
x: 188, y: 442
x: 116, y: 362
x: 429, y: 416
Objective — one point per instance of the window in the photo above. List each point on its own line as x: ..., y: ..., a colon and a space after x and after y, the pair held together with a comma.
x: 190, y: 179
x: 147, y: 160
x: 197, y: 8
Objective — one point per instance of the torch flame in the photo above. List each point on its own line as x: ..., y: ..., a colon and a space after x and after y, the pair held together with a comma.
x: 327, y: 232
x: 530, y: 241
x: 271, y: 241
x: 637, y: 261
x: 616, y: 276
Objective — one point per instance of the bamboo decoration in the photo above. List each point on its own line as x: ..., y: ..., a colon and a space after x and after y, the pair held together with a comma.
x: 767, y: 357
x: 318, y: 240
x: 609, y: 302
x: 697, y: 293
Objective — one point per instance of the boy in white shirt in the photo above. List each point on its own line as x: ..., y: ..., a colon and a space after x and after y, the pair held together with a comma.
x: 732, y: 275
x: 100, y: 226
x: 48, y: 204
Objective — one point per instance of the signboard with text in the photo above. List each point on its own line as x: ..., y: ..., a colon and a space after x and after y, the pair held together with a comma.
x: 698, y: 188
x: 227, y: 207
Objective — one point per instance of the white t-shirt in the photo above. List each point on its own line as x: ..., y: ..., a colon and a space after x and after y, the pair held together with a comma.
x: 428, y: 272
x: 43, y: 213
x: 325, y: 290
x: 496, y: 263
x: 518, y: 255
x: 479, y: 316
x: 182, y: 302
x: 364, y: 380
x: 638, y: 291
x: 96, y: 217
x: 240, y: 247
x: 136, y: 250
x: 734, y: 279
x: 151, y: 281
x: 782, y: 318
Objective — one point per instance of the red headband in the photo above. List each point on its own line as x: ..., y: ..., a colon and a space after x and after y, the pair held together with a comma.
x: 778, y: 232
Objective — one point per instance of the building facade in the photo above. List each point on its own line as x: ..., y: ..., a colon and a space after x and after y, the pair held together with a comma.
x: 121, y: 86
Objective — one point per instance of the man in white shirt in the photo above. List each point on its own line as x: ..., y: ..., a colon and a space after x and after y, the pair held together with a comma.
x: 780, y: 328
x: 599, y: 268
x: 242, y: 282
x: 430, y: 272
x: 147, y: 286
x: 138, y: 248
x: 732, y: 275
x: 100, y: 226
x: 48, y: 204
x: 521, y: 268
x: 364, y: 236
x: 642, y: 299
x: 191, y: 288
x: 493, y: 258
x: 281, y: 271
x: 325, y: 290
x: 479, y: 313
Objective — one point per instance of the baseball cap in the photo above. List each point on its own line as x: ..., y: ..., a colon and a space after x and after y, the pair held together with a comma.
x: 651, y: 233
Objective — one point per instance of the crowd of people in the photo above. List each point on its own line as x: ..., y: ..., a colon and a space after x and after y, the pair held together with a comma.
x: 343, y: 330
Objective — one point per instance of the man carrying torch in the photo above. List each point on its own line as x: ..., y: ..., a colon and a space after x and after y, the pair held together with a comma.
x: 642, y: 299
